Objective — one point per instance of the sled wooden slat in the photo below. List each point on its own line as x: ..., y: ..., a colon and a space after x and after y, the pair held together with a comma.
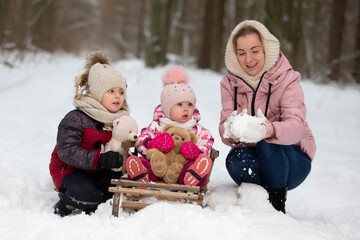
x: 146, y: 192
x: 116, y: 201
x: 178, y: 187
x: 134, y: 205
x: 132, y: 197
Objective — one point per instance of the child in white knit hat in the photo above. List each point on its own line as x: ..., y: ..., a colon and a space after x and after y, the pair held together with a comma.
x: 80, y: 173
x: 178, y: 108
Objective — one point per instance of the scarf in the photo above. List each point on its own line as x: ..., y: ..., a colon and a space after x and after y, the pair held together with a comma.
x: 95, y: 110
x: 187, y: 125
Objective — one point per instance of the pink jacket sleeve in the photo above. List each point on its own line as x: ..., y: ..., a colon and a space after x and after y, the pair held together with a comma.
x: 227, y: 102
x: 145, y: 136
x: 205, y: 140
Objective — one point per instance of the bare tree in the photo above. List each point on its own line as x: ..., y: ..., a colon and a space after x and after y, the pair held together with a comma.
x: 4, y: 17
x: 312, y: 33
x: 284, y: 19
x: 165, y: 31
x: 153, y: 41
x: 140, y: 39
x: 218, y: 49
x: 356, y: 67
x: 180, y: 27
x: 336, y: 35
x: 43, y: 25
x: 206, y: 37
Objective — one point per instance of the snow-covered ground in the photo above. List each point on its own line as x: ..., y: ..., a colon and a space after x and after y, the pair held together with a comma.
x: 36, y: 94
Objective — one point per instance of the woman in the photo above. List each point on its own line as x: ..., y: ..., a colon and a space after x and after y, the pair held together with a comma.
x: 259, y: 77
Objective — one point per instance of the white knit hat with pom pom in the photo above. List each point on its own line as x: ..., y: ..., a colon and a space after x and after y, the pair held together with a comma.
x: 176, y: 89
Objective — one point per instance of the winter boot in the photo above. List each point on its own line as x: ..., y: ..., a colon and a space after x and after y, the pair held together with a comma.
x: 277, y: 198
x: 198, y: 170
x: 63, y: 210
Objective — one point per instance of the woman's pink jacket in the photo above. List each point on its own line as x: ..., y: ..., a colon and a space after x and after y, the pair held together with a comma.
x: 286, y: 109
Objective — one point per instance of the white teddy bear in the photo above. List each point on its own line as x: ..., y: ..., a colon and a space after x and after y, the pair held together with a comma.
x: 124, y: 128
x: 247, y: 128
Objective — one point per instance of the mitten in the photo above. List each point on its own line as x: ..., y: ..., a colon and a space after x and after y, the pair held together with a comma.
x: 110, y: 160
x: 234, y: 138
x: 227, y: 124
x: 257, y: 131
x: 189, y: 150
x: 243, y: 112
x: 162, y: 142
x: 268, y: 126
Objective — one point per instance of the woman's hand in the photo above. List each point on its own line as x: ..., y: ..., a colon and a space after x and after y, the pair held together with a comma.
x: 267, y: 125
x: 257, y: 131
x: 234, y: 138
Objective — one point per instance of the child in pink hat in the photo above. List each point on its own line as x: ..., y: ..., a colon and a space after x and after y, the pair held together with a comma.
x: 178, y: 108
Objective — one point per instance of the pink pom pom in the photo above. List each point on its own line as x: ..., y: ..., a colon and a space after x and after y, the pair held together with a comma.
x: 175, y: 74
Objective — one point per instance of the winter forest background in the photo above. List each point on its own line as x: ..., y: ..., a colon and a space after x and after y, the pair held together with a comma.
x: 321, y: 38
x: 42, y: 48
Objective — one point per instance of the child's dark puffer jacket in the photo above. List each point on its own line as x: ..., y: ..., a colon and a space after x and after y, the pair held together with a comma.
x: 78, y: 146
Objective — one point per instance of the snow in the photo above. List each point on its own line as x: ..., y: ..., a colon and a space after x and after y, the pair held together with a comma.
x: 245, y: 127
x: 36, y: 94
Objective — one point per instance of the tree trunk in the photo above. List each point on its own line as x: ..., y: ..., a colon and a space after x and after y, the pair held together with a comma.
x: 295, y: 34
x: 4, y: 11
x: 356, y: 71
x: 166, y: 24
x: 238, y: 13
x: 218, y: 47
x: 43, y: 25
x: 22, y: 30
x: 337, y: 20
x: 285, y: 23
x: 180, y: 30
x: 206, y: 39
x: 140, y: 33
x: 153, y: 42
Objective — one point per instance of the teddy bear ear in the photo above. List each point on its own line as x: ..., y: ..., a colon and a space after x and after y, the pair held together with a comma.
x: 193, y: 137
x: 167, y: 127
x: 116, y: 122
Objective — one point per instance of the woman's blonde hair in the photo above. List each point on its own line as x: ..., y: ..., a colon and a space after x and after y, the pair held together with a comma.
x: 244, y: 32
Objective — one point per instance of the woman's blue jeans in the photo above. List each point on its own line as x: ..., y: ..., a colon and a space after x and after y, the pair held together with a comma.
x: 270, y: 165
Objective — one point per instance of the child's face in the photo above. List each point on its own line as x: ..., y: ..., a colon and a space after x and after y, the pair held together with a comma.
x: 113, y: 99
x: 182, y: 112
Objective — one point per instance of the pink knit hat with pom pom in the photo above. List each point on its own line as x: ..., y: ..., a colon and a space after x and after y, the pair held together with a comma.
x: 176, y: 89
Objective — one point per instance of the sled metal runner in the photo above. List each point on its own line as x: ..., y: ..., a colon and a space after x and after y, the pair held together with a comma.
x: 136, y: 195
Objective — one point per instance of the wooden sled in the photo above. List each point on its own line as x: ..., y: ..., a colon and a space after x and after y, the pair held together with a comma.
x: 128, y: 195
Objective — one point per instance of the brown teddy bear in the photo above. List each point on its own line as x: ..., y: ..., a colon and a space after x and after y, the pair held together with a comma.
x: 169, y: 165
